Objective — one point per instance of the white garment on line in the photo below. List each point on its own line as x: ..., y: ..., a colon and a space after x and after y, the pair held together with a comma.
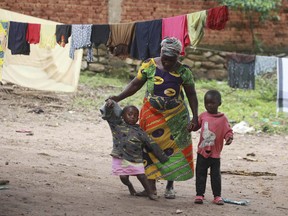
x: 44, y: 69
x: 282, y: 87
x: 265, y: 64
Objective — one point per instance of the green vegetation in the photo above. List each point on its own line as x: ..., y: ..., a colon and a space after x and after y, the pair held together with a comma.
x: 257, y: 107
x: 266, y: 9
x: 256, y: 11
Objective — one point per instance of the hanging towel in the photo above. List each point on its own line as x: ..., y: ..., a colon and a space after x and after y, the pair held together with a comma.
x: 147, y: 40
x: 196, y: 22
x: 47, y: 36
x: 33, y: 33
x: 81, y: 35
x: 121, y: 38
x: 217, y: 17
x: 100, y: 34
x: 282, y: 87
x: 63, y: 32
x: 176, y: 27
x: 17, y: 38
x: 44, y: 69
x: 3, y: 42
x: 265, y: 64
x: 241, y: 71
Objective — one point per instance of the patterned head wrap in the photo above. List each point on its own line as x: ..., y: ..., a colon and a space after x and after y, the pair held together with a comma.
x: 171, y: 46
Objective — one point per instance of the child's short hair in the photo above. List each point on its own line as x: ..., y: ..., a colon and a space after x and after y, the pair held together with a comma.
x: 215, y: 94
x: 128, y: 107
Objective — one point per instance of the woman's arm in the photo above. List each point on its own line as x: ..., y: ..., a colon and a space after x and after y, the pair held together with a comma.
x: 193, y: 103
x: 129, y: 90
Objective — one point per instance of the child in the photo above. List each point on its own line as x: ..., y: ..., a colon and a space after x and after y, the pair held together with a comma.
x: 128, y: 143
x: 214, y: 129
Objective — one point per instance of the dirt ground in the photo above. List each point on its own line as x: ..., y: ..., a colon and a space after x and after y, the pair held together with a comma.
x: 57, y: 163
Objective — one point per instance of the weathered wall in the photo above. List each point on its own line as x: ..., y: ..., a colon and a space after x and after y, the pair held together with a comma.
x: 64, y: 11
x: 235, y: 37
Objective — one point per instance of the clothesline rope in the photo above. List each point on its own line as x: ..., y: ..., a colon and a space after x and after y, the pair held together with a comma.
x: 230, y: 52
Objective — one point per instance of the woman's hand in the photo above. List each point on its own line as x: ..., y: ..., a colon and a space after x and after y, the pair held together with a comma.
x: 193, y: 125
x: 114, y: 98
x: 109, y: 103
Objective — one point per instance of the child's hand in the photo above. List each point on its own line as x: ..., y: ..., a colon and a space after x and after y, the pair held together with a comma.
x: 164, y: 158
x: 229, y: 141
x: 109, y: 103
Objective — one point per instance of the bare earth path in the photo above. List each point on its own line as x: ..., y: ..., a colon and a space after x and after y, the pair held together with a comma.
x: 58, y: 163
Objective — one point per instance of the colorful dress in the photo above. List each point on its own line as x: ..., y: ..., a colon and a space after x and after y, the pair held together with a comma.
x: 164, y: 116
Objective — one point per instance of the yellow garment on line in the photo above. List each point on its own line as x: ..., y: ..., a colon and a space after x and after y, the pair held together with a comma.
x: 47, y: 36
x: 196, y: 23
x: 3, y: 43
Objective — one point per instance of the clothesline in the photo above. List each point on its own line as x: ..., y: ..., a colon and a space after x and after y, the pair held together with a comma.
x: 119, y: 37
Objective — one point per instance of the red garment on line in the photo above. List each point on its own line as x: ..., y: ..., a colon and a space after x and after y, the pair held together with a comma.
x: 176, y: 27
x: 217, y: 18
x: 33, y: 33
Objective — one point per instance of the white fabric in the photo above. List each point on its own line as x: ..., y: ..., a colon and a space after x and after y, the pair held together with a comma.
x: 44, y: 69
x: 282, y: 87
x: 265, y: 64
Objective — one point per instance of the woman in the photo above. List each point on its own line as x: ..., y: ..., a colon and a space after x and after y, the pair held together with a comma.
x: 164, y: 115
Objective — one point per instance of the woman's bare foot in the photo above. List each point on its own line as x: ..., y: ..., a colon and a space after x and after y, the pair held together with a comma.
x: 153, y: 196
x: 144, y: 193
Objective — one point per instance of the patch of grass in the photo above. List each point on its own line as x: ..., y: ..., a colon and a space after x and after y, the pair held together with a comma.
x: 256, y: 107
x: 97, y: 80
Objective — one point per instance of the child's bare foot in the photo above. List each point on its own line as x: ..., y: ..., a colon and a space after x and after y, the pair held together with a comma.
x: 131, y: 190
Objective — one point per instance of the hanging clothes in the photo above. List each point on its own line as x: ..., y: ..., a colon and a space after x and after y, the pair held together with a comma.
x: 47, y: 36
x: 196, y: 23
x: 3, y: 42
x: 241, y: 71
x: 147, y: 40
x: 217, y: 17
x: 282, y: 87
x: 17, y: 38
x: 176, y: 27
x: 33, y: 33
x: 81, y: 35
x: 100, y: 34
x: 121, y: 38
x: 265, y: 64
x: 63, y: 32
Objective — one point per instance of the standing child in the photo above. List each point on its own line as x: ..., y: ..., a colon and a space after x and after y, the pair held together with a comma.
x: 129, y: 140
x: 214, y: 129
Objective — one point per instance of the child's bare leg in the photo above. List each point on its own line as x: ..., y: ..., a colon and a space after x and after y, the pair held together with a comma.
x: 125, y: 180
x: 144, y: 181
